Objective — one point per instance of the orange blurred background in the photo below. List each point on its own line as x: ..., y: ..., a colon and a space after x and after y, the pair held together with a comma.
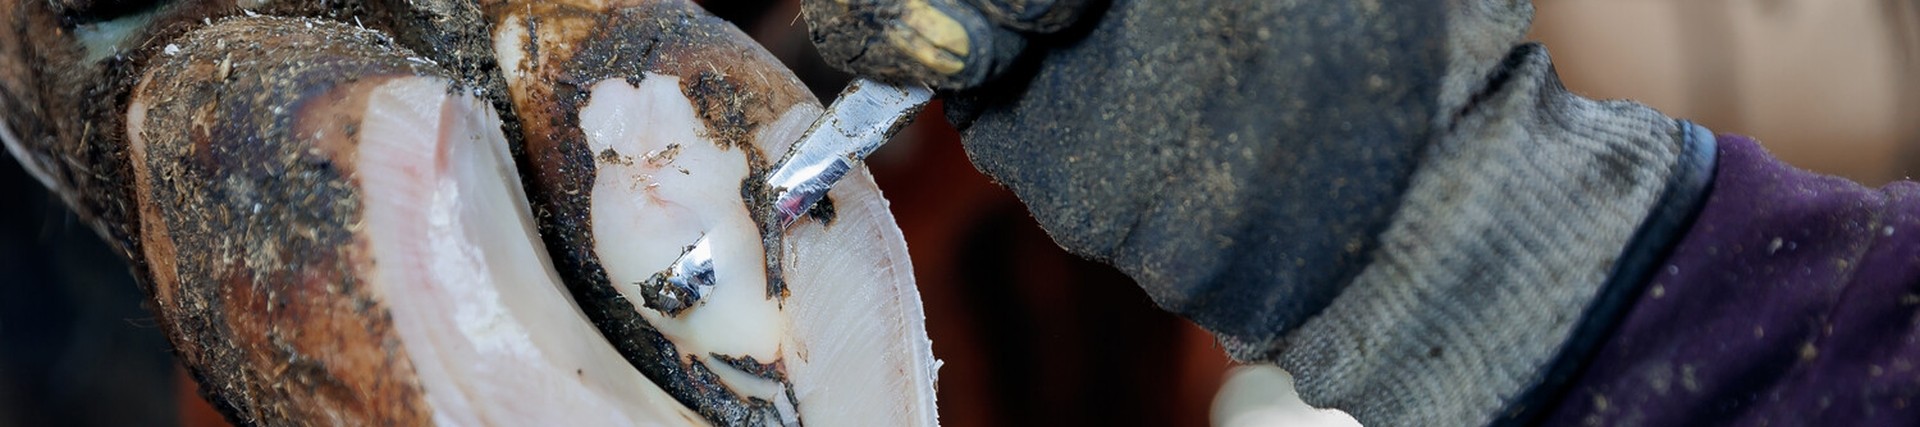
x: 1827, y: 85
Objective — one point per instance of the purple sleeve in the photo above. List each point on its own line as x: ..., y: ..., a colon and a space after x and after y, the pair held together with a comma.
x: 1793, y: 300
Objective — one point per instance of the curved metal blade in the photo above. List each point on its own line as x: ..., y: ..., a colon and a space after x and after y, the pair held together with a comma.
x: 866, y: 115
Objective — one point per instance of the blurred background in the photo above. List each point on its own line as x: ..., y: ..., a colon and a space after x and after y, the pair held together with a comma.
x: 1828, y: 85
x: 1031, y: 335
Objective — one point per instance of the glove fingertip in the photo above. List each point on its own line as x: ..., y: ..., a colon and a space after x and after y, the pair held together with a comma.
x: 942, y: 43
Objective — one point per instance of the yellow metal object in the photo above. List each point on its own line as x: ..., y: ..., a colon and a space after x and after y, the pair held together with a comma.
x: 931, y: 37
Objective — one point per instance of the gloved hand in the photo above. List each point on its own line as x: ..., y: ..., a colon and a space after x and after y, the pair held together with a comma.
x: 1237, y: 158
x: 1218, y: 152
x: 1397, y: 201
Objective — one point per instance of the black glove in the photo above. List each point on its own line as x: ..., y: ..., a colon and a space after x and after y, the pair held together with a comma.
x: 1236, y: 158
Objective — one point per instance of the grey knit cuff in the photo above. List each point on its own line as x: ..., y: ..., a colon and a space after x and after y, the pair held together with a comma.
x: 1510, y: 228
x: 1679, y: 204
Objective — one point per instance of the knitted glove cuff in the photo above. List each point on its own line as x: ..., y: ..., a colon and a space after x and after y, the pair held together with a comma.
x: 1511, y: 228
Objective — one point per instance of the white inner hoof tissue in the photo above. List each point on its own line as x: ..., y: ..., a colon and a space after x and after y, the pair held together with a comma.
x: 845, y: 345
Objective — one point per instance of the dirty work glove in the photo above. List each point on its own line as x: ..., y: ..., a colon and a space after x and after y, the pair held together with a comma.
x: 1397, y: 201
x: 949, y: 44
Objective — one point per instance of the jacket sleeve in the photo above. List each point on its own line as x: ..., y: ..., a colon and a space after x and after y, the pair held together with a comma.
x: 1793, y: 299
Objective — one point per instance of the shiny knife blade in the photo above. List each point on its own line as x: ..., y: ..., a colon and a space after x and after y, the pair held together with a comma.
x: 865, y: 116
